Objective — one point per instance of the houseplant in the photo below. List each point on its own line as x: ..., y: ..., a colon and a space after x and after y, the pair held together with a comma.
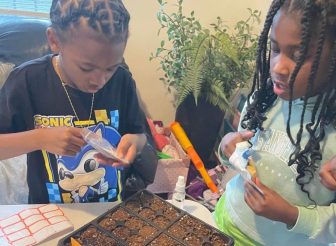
x: 203, y: 68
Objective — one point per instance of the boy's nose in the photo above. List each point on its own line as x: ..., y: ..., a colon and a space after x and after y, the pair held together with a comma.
x: 100, y: 78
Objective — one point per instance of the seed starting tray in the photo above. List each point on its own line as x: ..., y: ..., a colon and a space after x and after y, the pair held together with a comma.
x: 147, y: 219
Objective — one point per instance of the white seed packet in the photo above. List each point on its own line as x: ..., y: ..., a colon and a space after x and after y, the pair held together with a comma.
x: 102, y: 145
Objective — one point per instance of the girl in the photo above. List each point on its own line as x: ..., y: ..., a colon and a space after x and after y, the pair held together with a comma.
x: 290, y: 115
x: 45, y: 103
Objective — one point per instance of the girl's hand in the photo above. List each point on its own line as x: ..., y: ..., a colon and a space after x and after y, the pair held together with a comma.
x: 128, y: 147
x: 328, y: 174
x: 61, y: 140
x: 229, y: 141
x: 270, y: 205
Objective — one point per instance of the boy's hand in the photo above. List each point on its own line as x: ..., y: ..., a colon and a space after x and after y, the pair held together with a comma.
x: 61, y: 140
x: 229, y: 141
x: 129, y: 146
x: 270, y: 205
x: 328, y: 174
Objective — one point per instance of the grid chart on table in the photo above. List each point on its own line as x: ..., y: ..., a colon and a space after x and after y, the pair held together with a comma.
x: 34, y: 225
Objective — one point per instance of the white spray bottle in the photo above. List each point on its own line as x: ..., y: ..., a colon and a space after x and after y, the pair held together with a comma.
x: 179, y: 193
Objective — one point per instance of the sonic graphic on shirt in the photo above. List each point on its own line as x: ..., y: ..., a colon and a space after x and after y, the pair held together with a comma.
x: 83, y: 179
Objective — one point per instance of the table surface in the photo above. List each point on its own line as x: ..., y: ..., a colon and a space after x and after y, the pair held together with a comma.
x: 198, y: 210
x: 81, y: 213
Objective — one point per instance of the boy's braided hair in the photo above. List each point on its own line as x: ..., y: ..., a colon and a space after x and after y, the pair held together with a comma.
x: 109, y: 17
x: 317, y: 15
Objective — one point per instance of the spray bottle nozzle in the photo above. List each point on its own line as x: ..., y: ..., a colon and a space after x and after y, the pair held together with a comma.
x: 180, y: 184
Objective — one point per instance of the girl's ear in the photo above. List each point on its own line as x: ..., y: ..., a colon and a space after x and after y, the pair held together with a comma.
x: 53, y: 40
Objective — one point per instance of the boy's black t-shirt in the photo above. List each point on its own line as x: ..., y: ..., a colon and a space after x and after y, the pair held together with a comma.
x: 33, y: 97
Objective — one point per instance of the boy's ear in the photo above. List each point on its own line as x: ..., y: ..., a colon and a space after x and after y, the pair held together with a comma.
x: 53, y: 40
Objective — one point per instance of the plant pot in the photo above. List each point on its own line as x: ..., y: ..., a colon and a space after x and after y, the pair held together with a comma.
x: 201, y: 123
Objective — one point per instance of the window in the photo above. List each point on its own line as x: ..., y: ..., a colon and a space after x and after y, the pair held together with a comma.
x: 25, y: 6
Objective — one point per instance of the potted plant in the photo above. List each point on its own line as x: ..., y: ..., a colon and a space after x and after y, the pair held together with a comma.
x: 204, y: 68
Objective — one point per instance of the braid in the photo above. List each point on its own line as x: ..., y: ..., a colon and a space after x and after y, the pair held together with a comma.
x: 330, y: 114
x: 263, y: 96
x: 108, y: 17
x: 305, y: 40
x: 307, y: 159
x: 319, y: 14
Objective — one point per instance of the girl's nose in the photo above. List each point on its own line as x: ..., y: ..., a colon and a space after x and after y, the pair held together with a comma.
x: 281, y: 65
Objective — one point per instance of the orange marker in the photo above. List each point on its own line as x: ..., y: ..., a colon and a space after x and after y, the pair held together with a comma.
x: 182, y: 138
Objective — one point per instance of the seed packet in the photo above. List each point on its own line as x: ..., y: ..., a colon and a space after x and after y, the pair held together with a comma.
x: 101, y: 145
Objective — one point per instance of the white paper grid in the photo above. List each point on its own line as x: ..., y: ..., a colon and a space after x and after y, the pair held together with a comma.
x: 34, y: 225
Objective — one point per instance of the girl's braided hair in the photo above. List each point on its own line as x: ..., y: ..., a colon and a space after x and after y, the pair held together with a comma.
x: 319, y: 15
x: 109, y: 17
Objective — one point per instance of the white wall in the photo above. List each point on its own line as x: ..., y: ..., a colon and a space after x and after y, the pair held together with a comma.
x: 157, y: 102
x: 144, y: 40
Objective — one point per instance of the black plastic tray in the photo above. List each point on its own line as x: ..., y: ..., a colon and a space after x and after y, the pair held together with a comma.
x: 147, y: 219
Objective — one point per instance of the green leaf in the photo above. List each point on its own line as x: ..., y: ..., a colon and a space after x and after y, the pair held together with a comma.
x: 210, y: 63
